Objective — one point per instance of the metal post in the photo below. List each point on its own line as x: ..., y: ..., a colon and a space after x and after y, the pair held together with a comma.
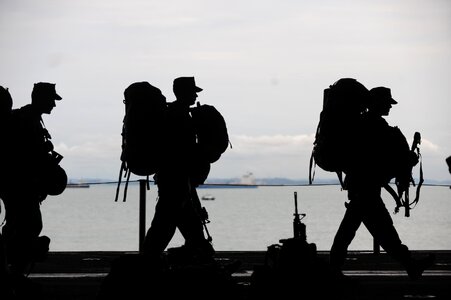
x: 142, y: 213
x: 376, y: 248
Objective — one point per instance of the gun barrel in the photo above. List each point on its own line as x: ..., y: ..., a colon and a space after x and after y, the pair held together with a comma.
x: 407, y: 204
x: 296, y: 204
x: 416, y: 140
x: 417, y: 137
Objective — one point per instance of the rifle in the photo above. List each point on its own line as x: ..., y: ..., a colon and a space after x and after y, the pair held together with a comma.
x: 298, y: 226
x: 202, y: 211
x: 405, y: 189
x: 296, y: 250
x: 415, y: 143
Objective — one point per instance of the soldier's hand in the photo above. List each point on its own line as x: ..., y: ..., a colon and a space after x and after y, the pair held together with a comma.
x: 204, y: 214
x: 403, y: 183
x: 413, y: 158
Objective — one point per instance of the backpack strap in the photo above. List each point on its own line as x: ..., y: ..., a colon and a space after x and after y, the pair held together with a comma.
x: 420, y: 183
x: 311, y: 175
x: 123, y: 167
x: 127, y: 174
x: 415, y: 143
x: 340, y: 178
x: 395, y: 196
x: 406, y: 202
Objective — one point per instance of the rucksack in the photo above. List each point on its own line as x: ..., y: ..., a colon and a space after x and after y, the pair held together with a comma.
x: 211, y: 131
x: 145, y: 108
x: 343, y: 105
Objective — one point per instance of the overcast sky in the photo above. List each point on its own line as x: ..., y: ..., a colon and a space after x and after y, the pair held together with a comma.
x: 263, y: 64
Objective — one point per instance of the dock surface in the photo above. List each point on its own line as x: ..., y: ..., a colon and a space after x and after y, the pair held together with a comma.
x: 79, y: 275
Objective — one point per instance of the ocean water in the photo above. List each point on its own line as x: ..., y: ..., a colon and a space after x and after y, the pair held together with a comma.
x: 88, y: 219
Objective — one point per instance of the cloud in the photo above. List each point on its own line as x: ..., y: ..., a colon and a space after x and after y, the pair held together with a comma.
x: 271, y: 144
x: 428, y: 147
x: 95, y: 158
x: 266, y: 156
x: 100, y: 148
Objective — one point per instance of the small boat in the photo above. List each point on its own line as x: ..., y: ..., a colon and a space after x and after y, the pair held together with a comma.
x: 208, y: 197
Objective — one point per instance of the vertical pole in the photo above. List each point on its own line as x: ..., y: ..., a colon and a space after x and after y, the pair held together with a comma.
x: 142, y: 214
x: 376, y: 248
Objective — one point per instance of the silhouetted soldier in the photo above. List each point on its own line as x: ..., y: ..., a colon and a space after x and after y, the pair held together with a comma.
x: 6, y: 104
x: 30, y: 151
x: 176, y: 180
x: 384, y: 154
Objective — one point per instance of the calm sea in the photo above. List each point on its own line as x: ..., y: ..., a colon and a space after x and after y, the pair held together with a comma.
x: 88, y: 219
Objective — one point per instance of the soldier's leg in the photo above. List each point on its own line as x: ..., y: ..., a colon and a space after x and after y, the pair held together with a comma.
x: 345, y: 234
x: 168, y: 212
x: 380, y: 224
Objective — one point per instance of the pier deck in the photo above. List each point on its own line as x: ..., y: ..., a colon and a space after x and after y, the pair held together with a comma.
x: 78, y: 275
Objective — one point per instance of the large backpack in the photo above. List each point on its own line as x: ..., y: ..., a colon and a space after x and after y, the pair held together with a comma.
x: 211, y: 131
x: 145, y: 108
x: 337, y: 132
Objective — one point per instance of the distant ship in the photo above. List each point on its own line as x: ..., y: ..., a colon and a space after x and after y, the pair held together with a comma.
x: 246, y: 181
